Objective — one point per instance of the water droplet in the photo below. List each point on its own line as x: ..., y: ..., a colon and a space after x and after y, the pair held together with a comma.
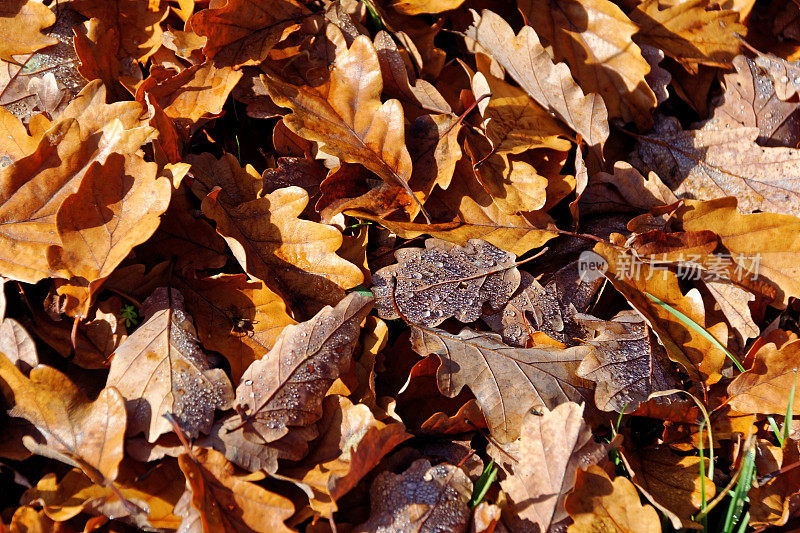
x: 248, y: 382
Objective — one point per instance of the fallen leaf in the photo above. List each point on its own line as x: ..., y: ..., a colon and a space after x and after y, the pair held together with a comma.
x: 22, y: 22
x: 242, y: 32
x: 628, y: 364
x: 506, y: 381
x: 160, y: 369
x: 428, y: 286
x: 690, y: 32
x: 764, y: 387
x: 711, y: 162
x: 595, y: 39
x: 548, y: 453
x: 84, y: 434
x: 281, y: 394
x: 774, y: 500
x: 418, y: 7
x: 549, y: 83
x: 597, y: 503
x: 424, y: 498
x: 350, y: 122
x: 218, y: 499
x: 670, y: 482
x: 294, y: 257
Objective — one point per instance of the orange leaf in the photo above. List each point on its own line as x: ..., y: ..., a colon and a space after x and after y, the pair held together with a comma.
x: 21, y: 22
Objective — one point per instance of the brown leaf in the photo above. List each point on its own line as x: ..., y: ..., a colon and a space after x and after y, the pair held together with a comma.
x: 238, y: 318
x: 624, y: 190
x: 418, y: 7
x: 32, y: 190
x: 191, y: 97
x: 155, y: 491
x: 218, y: 499
x: 711, y: 162
x: 763, y: 245
x: 428, y: 286
x: 785, y: 74
x: 350, y: 122
x: 628, y: 364
x: 281, y: 394
x: 116, y: 207
x: 295, y: 257
x: 750, y: 100
x: 17, y: 345
x: 599, y: 504
x: 773, y: 501
x: 633, y: 278
x: 549, y: 83
x: 764, y: 387
x: 595, y: 39
x: 242, y: 32
x: 137, y: 25
x: 239, y: 184
x: 84, y: 434
x: 691, y: 32
x: 161, y: 369
x: 21, y: 22
x: 506, y: 381
x: 16, y: 144
x: 435, y: 152
x: 670, y: 482
x: 548, y: 452
x: 352, y: 443
x: 424, y: 498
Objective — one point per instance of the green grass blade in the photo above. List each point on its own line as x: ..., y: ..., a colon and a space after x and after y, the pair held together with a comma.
x: 787, y: 421
x: 699, y: 329
x: 482, y: 485
x: 775, y: 430
x: 739, y: 494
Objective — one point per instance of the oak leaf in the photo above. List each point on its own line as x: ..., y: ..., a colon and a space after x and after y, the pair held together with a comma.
x: 349, y: 120
x: 628, y: 364
x: 116, y: 207
x: 428, y: 286
x: 154, y: 492
x: 785, y: 74
x: 219, y: 499
x: 624, y: 190
x: 297, y: 258
x: 774, y: 501
x: 22, y: 22
x: 238, y: 318
x: 84, y: 434
x: 599, y: 504
x: 160, y: 369
x: 595, y: 39
x: 717, y: 161
x: 550, y: 449
x: 670, y: 482
x: 242, y: 32
x: 352, y: 443
x: 16, y: 144
x: 424, y: 498
x: 418, y: 7
x: 692, y: 33
x: 550, y: 84
x: 280, y: 395
x: 764, y: 387
x: 506, y: 381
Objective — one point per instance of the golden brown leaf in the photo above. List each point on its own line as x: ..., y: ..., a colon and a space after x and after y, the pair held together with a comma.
x: 155, y: 492
x: 773, y: 501
x: 242, y: 32
x: 117, y: 206
x: 424, y: 498
x: 218, y: 499
x: 717, y: 161
x: 161, y: 369
x: 549, y: 83
x: 84, y: 434
x: 625, y: 189
x: 550, y: 449
x: 599, y: 504
x: 136, y: 25
x: 349, y: 121
x: 763, y: 245
x: 429, y: 285
x: 281, y: 394
x: 671, y: 482
x: 418, y: 7
x: 32, y: 189
x: 506, y: 381
x: 16, y: 143
x: 594, y: 37
x: 764, y: 388
x: 691, y: 32
x: 352, y: 443
x: 295, y: 257
x: 21, y: 22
